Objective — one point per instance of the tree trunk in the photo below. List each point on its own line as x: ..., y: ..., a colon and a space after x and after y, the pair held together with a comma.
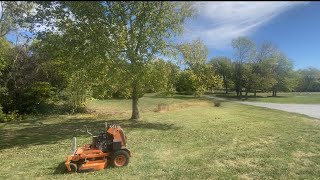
x: 225, y: 84
x: 246, y: 94
x: 135, y: 99
x: 275, y: 93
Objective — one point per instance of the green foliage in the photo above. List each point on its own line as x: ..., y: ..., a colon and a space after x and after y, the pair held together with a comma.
x: 198, y: 76
x: 244, y: 53
x: 34, y: 97
x: 121, y: 35
x: 264, y: 74
x: 163, y: 77
x: 191, y: 83
x: 185, y: 84
x: 23, y: 84
x: 2, y: 115
x: 13, y: 15
x: 308, y: 80
x: 245, y: 49
x: 5, y: 50
x: 194, y: 54
x: 11, y: 116
x: 223, y: 67
x: 77, y: 90
x: 263, y: 69
x: 283, y: 72
x: 124, y: 93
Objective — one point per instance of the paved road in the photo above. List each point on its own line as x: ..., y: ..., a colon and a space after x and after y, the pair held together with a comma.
x: 306, y: 109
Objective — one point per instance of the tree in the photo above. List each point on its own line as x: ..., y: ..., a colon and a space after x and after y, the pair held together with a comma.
x: 245, y: 50
x: 309, y: 80
x: 283, y: 74
x: 23, y: 81
x: 195, y: 56
x: 127, y: 35
x: 5, y: 51
x: 262, y: 73
x: 13, y: 14
x: 185, y: 83
x: 163, y: 77
x: 223, y: 66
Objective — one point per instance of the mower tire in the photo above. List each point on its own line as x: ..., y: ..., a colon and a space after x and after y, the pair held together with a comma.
x: 74, y: 167
x: 120, y: 158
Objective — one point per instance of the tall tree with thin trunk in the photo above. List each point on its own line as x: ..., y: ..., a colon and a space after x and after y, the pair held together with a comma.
x: 244, y: 52
x: 262, y: 72
x: 127, y: 34
x: 283, y: 74
x: 223, y: 66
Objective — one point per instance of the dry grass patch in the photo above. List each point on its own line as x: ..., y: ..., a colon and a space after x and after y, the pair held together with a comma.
x: 301, y: 154
x: 162, y: 107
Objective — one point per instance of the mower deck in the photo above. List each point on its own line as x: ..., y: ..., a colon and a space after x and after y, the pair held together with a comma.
x: 94, y: 159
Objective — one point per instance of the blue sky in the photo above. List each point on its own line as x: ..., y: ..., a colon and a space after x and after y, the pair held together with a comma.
x: 294, y: 27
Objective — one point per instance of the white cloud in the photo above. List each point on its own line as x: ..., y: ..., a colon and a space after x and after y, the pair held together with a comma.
x: 219, y: 22
x: 0, y: 10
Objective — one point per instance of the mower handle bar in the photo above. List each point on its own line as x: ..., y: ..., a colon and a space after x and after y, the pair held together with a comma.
x: 88, y: 130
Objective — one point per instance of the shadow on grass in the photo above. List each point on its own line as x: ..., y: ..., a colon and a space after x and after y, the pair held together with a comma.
x: 184, y: 97
x: 40, y: 133
x: 60, y: 169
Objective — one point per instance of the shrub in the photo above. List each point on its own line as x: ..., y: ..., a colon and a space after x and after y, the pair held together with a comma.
x: 13, y: 116
x: 2, y: 115
x: 36, y: 96
x: 217, y: 103
x: 30, y: 99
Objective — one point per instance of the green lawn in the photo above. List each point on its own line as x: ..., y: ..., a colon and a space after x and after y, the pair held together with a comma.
x: 193, y: 140
x: 290, y: 98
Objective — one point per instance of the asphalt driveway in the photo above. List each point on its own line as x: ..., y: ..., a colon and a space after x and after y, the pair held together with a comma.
x: 312, y: 110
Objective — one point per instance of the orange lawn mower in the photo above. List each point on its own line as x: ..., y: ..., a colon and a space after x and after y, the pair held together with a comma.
x: 108, y: 147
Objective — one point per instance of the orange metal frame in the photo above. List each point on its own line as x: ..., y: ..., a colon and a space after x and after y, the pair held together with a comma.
x: 94, y: 159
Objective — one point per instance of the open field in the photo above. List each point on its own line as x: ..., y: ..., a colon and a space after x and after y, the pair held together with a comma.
x: 192, y: 139
x: 291, y: 98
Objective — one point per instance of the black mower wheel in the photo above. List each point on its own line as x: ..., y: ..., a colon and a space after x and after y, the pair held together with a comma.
x: 120, y: 158
x: 74, y: 167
